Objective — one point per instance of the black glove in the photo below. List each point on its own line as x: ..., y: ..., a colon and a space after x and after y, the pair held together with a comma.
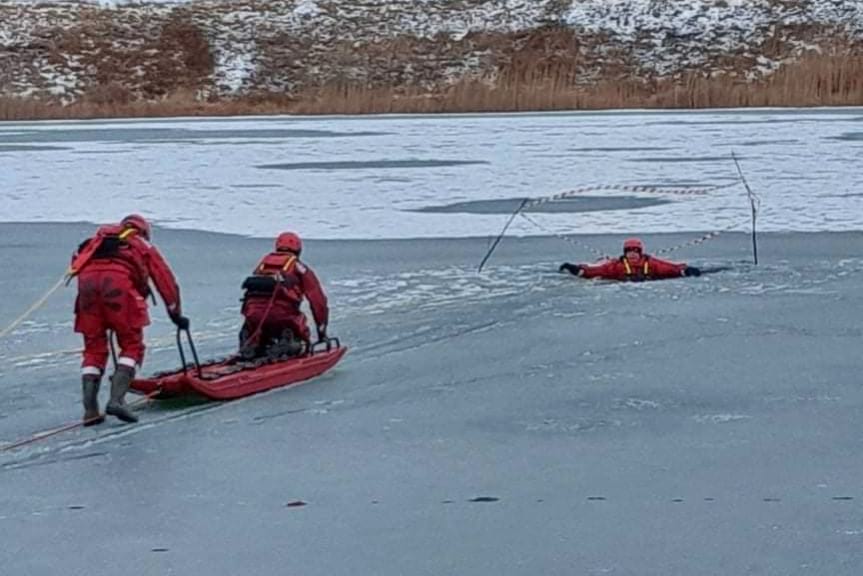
x: 573, y: 269
x: 691, y: 271
x: 180, y: 321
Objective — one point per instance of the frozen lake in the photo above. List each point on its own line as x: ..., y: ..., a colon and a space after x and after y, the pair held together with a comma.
x: 407, y: 177
x: 517, y: 421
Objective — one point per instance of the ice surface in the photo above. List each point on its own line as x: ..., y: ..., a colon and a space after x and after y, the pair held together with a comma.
x: 511, y: 422
x: 368, y: 177
x: 517, y: 421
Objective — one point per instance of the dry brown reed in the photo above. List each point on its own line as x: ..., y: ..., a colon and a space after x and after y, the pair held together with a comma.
x: 834, y: 78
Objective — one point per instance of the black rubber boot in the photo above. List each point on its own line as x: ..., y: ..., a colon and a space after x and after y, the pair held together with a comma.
x: 287, y: 346
x: 120, y: 382
x: 90, y: 395
x: 248, y: 346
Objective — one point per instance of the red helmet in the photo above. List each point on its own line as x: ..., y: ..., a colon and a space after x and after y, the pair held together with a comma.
x: 289, y: 242
x: 633, y: 244
x: 137, y: 222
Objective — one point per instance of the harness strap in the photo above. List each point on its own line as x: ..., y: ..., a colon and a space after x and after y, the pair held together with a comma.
x: 127, y: 233
x: 645, y: 267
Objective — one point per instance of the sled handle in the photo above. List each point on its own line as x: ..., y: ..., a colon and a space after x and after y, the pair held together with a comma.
x: 330, y: 343
x: 191, y: 347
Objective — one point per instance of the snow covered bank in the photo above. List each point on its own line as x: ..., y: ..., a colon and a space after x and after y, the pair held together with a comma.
x: 234, y: 47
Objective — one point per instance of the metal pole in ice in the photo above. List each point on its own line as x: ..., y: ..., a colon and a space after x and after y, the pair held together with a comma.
x: 754, y: 203
x: 502, y: 232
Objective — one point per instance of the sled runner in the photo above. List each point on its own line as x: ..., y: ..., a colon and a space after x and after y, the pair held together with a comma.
x: 235, y: 377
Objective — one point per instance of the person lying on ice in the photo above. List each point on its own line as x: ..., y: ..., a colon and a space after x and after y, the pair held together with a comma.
x: 634, y: 265
x: 114, y: 268
x: 274, y: 324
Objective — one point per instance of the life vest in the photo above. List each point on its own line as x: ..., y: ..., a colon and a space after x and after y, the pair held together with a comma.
x: 278, y: 271
x: 276, y: 263
x: 113, y: 243
x: 644, y: 272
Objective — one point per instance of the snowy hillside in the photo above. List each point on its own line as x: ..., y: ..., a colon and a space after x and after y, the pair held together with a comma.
x: 123, y: 50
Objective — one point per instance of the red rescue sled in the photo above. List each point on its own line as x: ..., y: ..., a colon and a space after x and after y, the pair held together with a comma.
x: 234, y: 377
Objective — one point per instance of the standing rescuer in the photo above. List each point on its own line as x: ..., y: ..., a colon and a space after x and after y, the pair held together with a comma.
x: 114, y: 268
x: 633, y: 265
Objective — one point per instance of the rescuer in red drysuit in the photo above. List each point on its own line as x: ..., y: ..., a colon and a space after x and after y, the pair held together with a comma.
x: 274, y: 324
x: 114, y: 268
x: 634, y: 266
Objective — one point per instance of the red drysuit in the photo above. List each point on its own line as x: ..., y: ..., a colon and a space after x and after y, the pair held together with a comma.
x: 644, y: 268
x: 270, y: 310
x: 114, y: 268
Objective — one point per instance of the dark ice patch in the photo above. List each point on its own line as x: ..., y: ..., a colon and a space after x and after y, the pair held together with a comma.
x: 574, y: 205
x: 360, y: 165
x: 265, y: 417
x: 596, y: 498
x: 159, y: 549
x: 272, y: 142
x: 484, y: 499
x: 30, y: 148
x: 619, y: 149
x: 295, y: 504
x: 789, y: 118
x: 169, y: 135
x: 767, y: 142
x: 683, y: 159
x: 257, y: 186
x: 843, y: 498
x: 385, y: 179
x: 848, y: 137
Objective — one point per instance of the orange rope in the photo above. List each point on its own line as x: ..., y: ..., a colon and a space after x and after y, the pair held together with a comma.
x: 49, y: 433
x: 36, y: 305
x: 254, y: 335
